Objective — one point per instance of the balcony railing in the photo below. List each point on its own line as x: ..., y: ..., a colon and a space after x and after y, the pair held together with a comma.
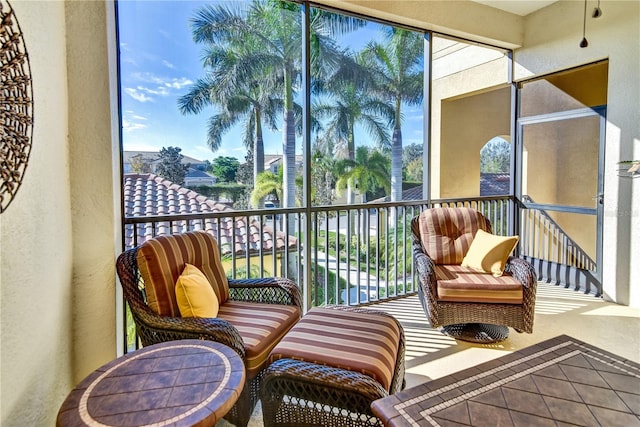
x: 359, y: 253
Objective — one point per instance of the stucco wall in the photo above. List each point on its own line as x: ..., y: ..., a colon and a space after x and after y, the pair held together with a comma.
x: 467, y: 124
x: 36, y: 236
x: 93, y: 198
x: 57, y: 236
x: 551, y: 43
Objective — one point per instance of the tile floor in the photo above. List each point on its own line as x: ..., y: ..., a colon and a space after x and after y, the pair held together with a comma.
x: 559, y: 311
x: 561, y: 381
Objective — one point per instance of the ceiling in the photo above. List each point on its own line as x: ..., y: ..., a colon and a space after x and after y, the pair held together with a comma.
x: 518, y: 7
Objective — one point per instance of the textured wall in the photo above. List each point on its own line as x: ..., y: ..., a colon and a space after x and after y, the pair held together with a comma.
x: 92, y: 191
x: 36, y: 240
x: 57, y: 236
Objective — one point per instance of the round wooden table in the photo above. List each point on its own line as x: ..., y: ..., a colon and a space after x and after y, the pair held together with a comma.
x: 177, y: 383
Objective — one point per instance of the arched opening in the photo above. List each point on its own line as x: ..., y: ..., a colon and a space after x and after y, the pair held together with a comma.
x: 495, y: 166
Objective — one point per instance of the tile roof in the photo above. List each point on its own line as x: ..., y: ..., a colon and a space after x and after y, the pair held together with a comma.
x: 494, y: 184
x: 491, y: 184
x: 196, y: 173
x: 150, y: 195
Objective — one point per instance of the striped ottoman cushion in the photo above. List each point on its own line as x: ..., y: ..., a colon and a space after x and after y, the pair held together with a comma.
x: 462, y: 284
x: 359, y: 341
x: 261, y: 326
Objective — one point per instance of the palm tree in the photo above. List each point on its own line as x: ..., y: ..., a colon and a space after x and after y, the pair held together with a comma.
x: 350, y: 106
x: 235, y: 91
x: 277, y: 25
x: 399, y: 80
x: 268, y: 183
x: 368, y: 169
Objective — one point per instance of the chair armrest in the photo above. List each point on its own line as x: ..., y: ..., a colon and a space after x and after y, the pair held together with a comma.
x: 522, y: 271
x: 269, y: 290
x: 427, y: 283
x: 153, y: 329
x: 425, y: 267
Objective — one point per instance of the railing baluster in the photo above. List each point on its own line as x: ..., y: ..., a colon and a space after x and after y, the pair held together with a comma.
x: 388, y: 246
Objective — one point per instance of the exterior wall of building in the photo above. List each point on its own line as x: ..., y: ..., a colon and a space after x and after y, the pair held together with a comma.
x: 467, y: 124
x: 551, y: 43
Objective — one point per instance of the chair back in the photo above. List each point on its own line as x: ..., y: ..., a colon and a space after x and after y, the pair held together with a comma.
x: 447, y: 233
x: 161, y: 261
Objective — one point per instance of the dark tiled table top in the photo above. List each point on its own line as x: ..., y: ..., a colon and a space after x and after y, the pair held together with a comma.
x: 559, y: 382
x: 177, y: 383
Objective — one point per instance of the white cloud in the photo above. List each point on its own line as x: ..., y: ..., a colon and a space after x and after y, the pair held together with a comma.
x: 137, y: 95
x: 162, y: 86
x: 178, y: 83
x: 168, y: 64
x: 160, y: 90
x: 128, y: 126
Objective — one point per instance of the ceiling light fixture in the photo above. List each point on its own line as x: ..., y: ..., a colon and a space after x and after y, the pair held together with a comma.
x: 597, y: 12
x: 584, y: 42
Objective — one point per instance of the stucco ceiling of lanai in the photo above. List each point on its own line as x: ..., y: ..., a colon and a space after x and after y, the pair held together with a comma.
x: 518, y: 7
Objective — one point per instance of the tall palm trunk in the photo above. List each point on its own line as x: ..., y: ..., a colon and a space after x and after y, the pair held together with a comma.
x: 396, y: 173
x: 396, y: 165
x: 258, y: 154
x: 289, y: 144
x: 351, y: 191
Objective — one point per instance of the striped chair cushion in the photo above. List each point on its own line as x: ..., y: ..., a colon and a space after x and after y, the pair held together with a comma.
x: 261, y: 326
x: 462, y: 284
x: 447, y: 233
x: 161, y: 261
x: 355, y: 341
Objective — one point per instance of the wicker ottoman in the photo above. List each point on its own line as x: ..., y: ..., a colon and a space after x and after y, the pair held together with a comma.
x: 330, y: 366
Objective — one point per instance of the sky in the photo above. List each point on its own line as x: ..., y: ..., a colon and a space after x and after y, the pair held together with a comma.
x: 159, y: 62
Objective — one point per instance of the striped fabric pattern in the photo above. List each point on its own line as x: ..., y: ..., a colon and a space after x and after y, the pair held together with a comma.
x: 462, y: 284
x: 447, y: 233
x: 261, y: 326
x: 355, y: 341
x: 161, y: 261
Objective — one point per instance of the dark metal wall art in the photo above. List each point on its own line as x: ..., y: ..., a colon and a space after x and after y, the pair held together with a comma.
x: 16, y: 106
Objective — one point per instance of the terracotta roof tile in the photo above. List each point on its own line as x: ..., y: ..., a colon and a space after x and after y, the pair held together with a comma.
x: 150, y: 195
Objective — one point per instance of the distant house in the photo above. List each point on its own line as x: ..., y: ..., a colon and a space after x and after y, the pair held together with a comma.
x: 148, y: 195
x: 195, y: 177
x: 273, y: 161
x: 153, y: 158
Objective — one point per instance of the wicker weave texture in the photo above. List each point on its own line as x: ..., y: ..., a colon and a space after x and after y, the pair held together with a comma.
x: 299, y: 393
x: 440, y: 313
x: 153, y: 329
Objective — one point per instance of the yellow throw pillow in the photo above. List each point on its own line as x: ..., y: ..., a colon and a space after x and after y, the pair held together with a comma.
x: 488, y: 253
x: 195, y: 295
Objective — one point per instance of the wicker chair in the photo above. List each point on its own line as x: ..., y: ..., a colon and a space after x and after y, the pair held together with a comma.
x: 274, y: 300
x: 441, y: 239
